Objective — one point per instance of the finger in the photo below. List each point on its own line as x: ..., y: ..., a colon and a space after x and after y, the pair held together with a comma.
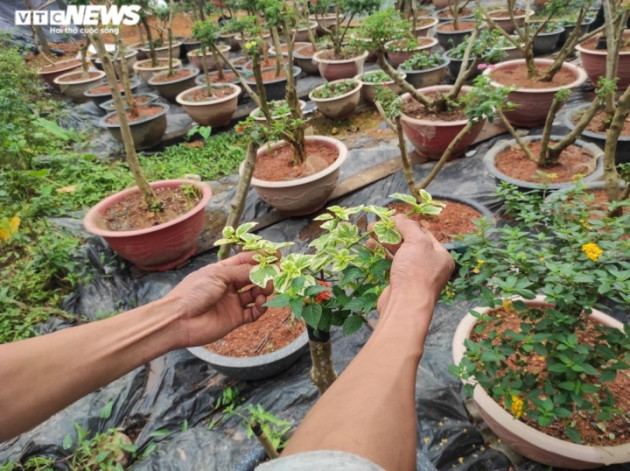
x: 239, y: 259
x: 250, y: 293
x: 234, y: 275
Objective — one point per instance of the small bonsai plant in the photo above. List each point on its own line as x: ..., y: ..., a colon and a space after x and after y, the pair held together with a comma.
x: 577, y: 259
x: 338, y: 284
x: 330, y: 89
x: 422, y: 60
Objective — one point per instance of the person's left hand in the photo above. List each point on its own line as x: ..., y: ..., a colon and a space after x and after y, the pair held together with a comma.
x: 216, y: 299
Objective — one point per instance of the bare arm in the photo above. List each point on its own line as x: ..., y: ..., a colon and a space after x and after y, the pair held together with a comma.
x: 42, y: 375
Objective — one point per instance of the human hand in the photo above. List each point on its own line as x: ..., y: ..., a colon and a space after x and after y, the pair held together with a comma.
x: 216, y: 299
x: 421, y: 266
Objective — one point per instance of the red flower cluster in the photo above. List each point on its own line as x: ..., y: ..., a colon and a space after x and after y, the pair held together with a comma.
x: 324, y: 295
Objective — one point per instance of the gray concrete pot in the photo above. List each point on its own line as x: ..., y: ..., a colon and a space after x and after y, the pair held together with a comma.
x: 146, y: 132
x: 546, y: 42
x: 169, y: 89
x: 75, y: 87
x: 490, y: 156
x: 427, y: 77
x: 258, y: 367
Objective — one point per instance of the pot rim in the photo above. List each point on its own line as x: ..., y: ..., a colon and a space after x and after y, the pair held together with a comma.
x: 67, y: 62
x: 174, y: 44
x: 595, y: 454
x: 427, y: 122
x: 194, y: 72
x: 458, y: 31
x: 356, y: 89
x: 445, y: 58
x: 600, y: 52
x: 316, y: 58
x: 343, y: 154
x: 60, y: 80
x: 103, y: 121
x: 140, y: 65
x: 91, y: 217
x: 253, y: 112
x: 134, y: 83
x: 593, y: 135
x: 197, y: 52
x: 578, y: 71
x: 236, y: 90
x: 499, y: 146
x: 129, y: 53
x: 434, y: 21
x: 296, y: 71
x: 357, y: 77
x: 432, y: 43
x: 103, y: 105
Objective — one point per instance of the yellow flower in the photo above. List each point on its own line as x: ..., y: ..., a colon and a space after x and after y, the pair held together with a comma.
x: 479, y: 263
x: 507, y: 305
x: 517, y: 407
x: 592, y: 251
x: 10, y: 228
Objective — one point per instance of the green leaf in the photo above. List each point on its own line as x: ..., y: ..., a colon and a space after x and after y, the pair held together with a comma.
x: 106, y: 411
x: 279, y: 301
x: 67, y: 441
x: 312, y: 313
x: 260, y: 275
x: 352, y: 324
x: 573, y: 434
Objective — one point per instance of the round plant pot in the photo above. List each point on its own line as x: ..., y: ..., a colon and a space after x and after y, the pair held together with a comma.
x: 146, y: 132
x: 369, y: 89
x: 533, y: 104
x: 170, y: 88
x: 431, y: 138
x: 397, y: 57
x: 108, y: 105
x: 230, y: 39
x: 427, y: 77
x: 455, y: 65
x: 74, y: 86
x: 258, y: 367
x: 258, y: 116
x: 526, y: 440
x: 306, y: 195
x: 99, y: 96
x: 215, y: 112
x: 305, y: 61
x: 497, y: 148
x: 156, y: 248
x: 275, y: 89
x: 131, y: 57
x: 162, y: 52
x: 197, y: 57
x: 190, y: 45
x: 145, y: 70
x: 546, y: 42
x: 448, y: 37
x: 339, y: 106
x: 426, y: 26
x: 301, y: 34
x: 568, y: 29
x: 50, y: 72
x: 502, y: 20
x: 332, y: 69
x: 594, y: 61
x: 622, y: 153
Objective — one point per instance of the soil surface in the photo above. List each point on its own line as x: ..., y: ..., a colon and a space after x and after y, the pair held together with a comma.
x: 277, y: 165
x: 517, y: 75
x: 80, y: 76
x: 132, y: 213
x: 446, y: 13
x: 591, y: 43
x: 201, y: 94
x: 228, y: 77
x: 573, y: 161
x: 456, y: 218
x: 104, y: 89
x: 417, y: 110
x: 599, y: 123
x: 461, y: 26
x: 177, y: 75
x: 612, y: 432
x: 142, y: 112
x: 272, y: 331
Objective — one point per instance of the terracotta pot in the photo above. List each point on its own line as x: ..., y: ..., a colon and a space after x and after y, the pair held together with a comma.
x: 305, y: 195
x: 108, y: 105
x: 369, y: 89
x: 255, y: 113
x: 156, y: 248
x: 215, y: 112
x: 101, y: 97
x: 442, y: 3
x: 145, y: 70
x: 50, y: 72
x: 197, y: 57
x: 526, y: 440
x: 146, y: 132
x: 275, y: 89
x: 497, y: 148
x: 171, y: 88
x: 594, y: 61
x: 339, y: 106
x: 622, y: 153
x: 75, y: 87
x: 258, y: 367
x: 431, y: 138
x: 448, y: 38
x: 398, y: 56
x: 426, y: 30
x: 162, y: 52
x: 301, y: 35
x: 131, y: 57
x: 426, y: 77
x: 331, y: 69
x: 305, y: 62
x: 533, y: 104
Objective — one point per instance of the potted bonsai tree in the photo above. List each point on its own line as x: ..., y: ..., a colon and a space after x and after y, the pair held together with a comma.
x: 336, y: 285
x: 340, y: 61
x: 139, y: 239
x: 541, y: 362
x: 74, y: 84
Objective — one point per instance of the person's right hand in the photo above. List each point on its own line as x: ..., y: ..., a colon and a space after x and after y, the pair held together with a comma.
x: 421, y: 266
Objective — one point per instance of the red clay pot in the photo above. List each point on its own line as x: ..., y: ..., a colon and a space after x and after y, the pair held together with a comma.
x: 156, y: 248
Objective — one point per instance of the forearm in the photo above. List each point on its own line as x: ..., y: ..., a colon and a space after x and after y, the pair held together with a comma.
x: 42, y: 375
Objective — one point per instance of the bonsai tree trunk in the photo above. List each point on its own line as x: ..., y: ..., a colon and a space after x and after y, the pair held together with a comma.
x: 170, y: 37
x: 148, y: 195
x: 152, y: 53
x: 323, y: 372
x: 124, y: 75
x: 38, y: 34
x: 264, y: 440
